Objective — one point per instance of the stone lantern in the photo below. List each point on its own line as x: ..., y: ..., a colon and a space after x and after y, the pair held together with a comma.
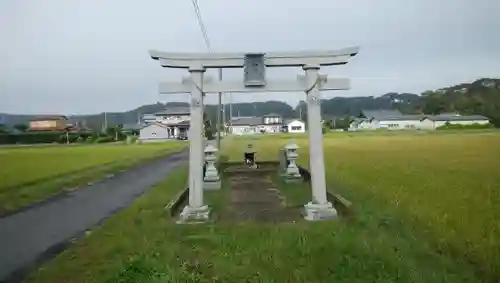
x: 211, y: 181
x: 292, y: 171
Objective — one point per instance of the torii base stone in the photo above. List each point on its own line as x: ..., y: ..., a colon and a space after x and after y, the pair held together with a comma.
x: 194, y: 215
x: 318, y: 212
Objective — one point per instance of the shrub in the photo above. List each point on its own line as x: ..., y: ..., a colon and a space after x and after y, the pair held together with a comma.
x: 70, y: 137
x: 131, y: 139
x: 104, y: 139
x: 449, y: 126
x: 40, y: 137
x: 30, y: 138
x: 61, y: 138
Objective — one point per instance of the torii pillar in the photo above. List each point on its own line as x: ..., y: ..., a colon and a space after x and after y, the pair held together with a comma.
x: 319, y: 208
x: 196, y: 210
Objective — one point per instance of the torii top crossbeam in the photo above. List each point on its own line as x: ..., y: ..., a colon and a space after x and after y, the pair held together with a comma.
x: 271, y: 59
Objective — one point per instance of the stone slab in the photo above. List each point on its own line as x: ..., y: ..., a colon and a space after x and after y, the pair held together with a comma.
x: 293, y: 180
x: 210, y: 186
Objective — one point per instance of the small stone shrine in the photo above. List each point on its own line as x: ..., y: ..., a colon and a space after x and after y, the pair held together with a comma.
x: 249, y: 156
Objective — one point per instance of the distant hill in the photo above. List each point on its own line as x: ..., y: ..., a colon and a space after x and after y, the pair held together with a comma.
x: 479, y: 97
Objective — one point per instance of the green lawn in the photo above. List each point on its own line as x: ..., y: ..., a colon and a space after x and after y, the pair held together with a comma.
x: 30, y: 174
x: 424, y: 213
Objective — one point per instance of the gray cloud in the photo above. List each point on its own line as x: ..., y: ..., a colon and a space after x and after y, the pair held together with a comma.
x: 85, y: 56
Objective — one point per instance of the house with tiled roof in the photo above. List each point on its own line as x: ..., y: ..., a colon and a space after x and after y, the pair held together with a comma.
x: 170, y: 123
x: 395, y: 120
x: 54, y: 123
x: 270, y: 123
x: 457, y: 119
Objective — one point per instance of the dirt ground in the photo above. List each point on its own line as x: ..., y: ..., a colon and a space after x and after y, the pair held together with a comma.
x: 254, y: 196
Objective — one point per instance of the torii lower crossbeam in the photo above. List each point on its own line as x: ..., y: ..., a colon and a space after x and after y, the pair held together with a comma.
x: 210, y: 86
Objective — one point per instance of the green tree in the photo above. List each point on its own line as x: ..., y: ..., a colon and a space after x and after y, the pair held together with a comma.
x: 328, y: 124
x: 21, y: 127
x: 208, y: 129
x: 433, y: 104
x: 115, y: 132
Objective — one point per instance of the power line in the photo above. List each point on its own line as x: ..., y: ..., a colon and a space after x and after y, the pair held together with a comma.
x: 201, y: 24
x: 209, y: 47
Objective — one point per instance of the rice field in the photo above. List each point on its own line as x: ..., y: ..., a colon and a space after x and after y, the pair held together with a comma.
x: 30, y: 174
x: 445, y: 187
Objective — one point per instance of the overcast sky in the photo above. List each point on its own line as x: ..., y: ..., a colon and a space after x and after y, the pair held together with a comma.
x: 89, y: 56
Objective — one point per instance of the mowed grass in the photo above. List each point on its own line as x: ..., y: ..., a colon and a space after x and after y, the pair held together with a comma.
x: 30, y: 174
x: 418, y: 219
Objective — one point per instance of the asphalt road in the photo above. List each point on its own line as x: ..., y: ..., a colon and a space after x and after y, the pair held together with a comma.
x: 34, y: 235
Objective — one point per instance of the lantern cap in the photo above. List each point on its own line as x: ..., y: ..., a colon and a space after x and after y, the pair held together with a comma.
x: 210, y: 149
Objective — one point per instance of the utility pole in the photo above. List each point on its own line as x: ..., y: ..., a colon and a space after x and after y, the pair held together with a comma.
x: 105, y: 125
x: 224, y: 114
x: 230, y: 110
x: 219, y: 114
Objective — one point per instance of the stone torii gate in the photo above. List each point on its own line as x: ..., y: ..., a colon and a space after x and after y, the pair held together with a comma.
x: 254, y: 65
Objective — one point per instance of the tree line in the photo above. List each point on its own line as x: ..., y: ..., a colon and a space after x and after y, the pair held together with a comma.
x: 481, y: 97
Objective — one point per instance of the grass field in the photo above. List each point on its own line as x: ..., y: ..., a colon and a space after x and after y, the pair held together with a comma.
x: 30, y: 174
x: 444, y: 185
x: 425, y: 212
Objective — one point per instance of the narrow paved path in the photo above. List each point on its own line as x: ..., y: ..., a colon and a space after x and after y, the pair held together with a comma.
x: 30, y: 236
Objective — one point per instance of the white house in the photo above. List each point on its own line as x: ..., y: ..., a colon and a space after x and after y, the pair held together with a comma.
x: 272, y: 119
x: 244, y: 125
x: 271, y: 123
x: 457, y: 119
x: 154, y: 133
x: 394, y: 120
x: 176, y: 120
x: 295, y: 126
